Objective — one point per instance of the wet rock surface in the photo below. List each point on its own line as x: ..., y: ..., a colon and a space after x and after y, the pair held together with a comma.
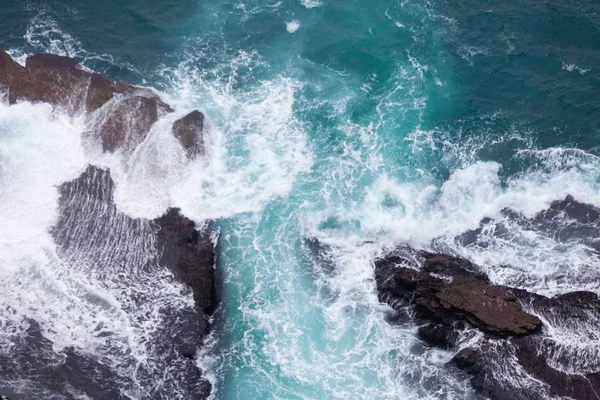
x: 566, y: 220
x: 188, y: 130
x: 451, y: 299
x: 91, y: 233
x: 160, y: 273
x: 59, y: 373
x: 190, y: 255
x: 59, y: 81
x: 464, y: 296
x: 119, y: 115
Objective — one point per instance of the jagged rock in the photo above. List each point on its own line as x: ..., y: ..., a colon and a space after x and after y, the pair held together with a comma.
x: 580, y: 212
x: 187, y: 252
x: 468, y: 297
x: 438, y: 335
x: 567, y: 221
x: 190, y: 255
x: 62, y: 82
x: 59, y: 81
x: 532, y: 354
x: 14, y: 76
x: 32, y: 355
x: 457, y: 269
x: 188, y: 130
x: 468, y: 359
x: 125, y: 122
x: 449, y: 294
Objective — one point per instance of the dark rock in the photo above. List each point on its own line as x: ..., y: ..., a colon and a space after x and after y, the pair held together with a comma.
x: 442, y: 336
x: 410, y: 279
x: 467, y: 297
x: 56, y: 80
x: 387, y: 285
x: 449, y: 294
x: 567, y: 221
x: 126, y: 122
x: 493, y: 309
x: 468, y: 359
x: 62, y: 82
x: 533, y: 354
x: 13, y: 75
x: 100, y: 91
x: 455, y: 268
x: 188, y: 130
x: 190, y: 255
x: 580, y: 212
x: 52, y: 79
x: 52, y: 372
x: 187, y: 351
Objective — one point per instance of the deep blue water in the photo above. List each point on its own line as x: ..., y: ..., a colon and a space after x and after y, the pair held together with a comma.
x: 380, y: 122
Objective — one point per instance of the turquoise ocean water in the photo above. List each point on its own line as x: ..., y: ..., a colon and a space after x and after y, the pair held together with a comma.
x: 364, y: 124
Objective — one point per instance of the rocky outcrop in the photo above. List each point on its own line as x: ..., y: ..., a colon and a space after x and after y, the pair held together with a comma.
x: 566, y: 220
x: 120, y: 115
x: 125, y: 121
x: 88, y: 217
x: 151, y: 269
x: 189, y: 253
x: 450, y: 296
x: 91, y: 233
x: 59, y: 81
x: 188, y: 130
x: 468, y: 297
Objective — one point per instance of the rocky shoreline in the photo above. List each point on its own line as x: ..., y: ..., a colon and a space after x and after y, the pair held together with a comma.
x: 90, y: 229
x: 119, y: 114
x: 499, y: 335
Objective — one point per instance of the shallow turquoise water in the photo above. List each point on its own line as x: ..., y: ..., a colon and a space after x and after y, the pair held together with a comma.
x: 366, y: 125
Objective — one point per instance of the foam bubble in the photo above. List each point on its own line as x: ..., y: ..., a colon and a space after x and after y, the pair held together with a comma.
x: 44, y: 34
x: 311, y: 3
x: 292, y: 26
x: 573, y: 67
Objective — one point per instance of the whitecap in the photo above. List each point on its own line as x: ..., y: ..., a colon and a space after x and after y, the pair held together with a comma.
x: 573, y: 67
x: 292, y: 26
x: 311, y: 3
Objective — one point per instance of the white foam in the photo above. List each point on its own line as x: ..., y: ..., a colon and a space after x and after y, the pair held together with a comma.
x: 292, y: 26
x: 255, y: 147
x: 573, y: 67
x: 44, y: 34
x: 84, y: 298
x: 311, y: 3
x: 35, y: 146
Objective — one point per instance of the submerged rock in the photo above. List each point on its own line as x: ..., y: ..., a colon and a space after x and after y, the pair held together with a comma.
x: 567, y: 221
